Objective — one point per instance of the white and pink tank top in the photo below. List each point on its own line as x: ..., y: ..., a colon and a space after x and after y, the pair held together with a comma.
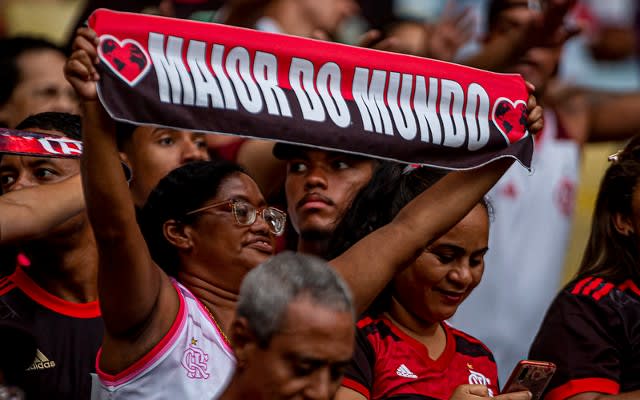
x: 192, y: 361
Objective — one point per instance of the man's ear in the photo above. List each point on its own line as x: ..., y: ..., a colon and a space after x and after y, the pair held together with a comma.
x: 623, y: 224
x: 243, y: 339
x: 178, y: 234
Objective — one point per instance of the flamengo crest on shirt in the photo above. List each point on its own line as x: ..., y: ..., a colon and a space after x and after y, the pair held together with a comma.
x: 223, y: 79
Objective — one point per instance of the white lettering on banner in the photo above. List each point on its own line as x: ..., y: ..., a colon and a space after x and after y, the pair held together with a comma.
x: 317, y: 93
x: 170, y: 70
x: 228, y: 78
x: 65, y: 146
x: 301, y: 76
x: 265, y: 70
x: 437, y: 111
x: 446, y: 114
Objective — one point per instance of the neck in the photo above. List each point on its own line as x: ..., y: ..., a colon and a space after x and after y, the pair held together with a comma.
x: 415, y: 327
x: 316, y: 247
x: 220, y: 301
x: 69, y: 269
x: 289, y: 17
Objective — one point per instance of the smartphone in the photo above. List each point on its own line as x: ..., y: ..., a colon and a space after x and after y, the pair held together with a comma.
x: 530, y: 375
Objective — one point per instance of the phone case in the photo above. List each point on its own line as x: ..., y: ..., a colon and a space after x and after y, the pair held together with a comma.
x: 530, y: 375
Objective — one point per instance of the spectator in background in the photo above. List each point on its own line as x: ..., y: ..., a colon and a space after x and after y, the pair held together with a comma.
x: 305, y: 17
x: 32, y: 80
x: 153, y: 152
x: 591, y: 330
x: 528, y: 257
x: 55, y: 298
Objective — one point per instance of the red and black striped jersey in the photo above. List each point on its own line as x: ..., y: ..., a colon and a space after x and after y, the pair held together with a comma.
x: 389, y: 364
x: 68, y: 336
x: 592, y: 333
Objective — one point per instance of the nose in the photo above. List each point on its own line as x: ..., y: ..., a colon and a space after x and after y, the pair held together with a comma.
x: 461, y: 275
x: 316, y: 177
x: 320, y: 386
x: 260, y: 226
x: 22, y: 182
x: 192, y: 152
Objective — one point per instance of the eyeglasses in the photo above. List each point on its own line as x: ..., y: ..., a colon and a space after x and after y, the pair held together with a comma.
x: 246, y: 214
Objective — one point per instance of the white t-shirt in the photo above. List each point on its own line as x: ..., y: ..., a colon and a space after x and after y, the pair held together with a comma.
x: 192, y: 361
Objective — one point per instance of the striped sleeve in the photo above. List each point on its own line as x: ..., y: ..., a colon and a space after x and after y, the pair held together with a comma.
x: 581, y: 334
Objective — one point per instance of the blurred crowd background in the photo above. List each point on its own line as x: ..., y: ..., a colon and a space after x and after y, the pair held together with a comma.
x: 603, y: 56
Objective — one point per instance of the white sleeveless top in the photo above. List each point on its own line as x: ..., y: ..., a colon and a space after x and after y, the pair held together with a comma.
x: 192, y: 361
x: 528, y: 241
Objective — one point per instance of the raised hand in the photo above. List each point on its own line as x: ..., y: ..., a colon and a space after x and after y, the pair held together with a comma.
x: 80, y: 68
x: 535, y: 113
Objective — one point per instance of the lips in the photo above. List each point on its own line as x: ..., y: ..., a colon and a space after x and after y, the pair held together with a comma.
x: 261, y: 244
x: 314, y: 201
x: 451, y: 296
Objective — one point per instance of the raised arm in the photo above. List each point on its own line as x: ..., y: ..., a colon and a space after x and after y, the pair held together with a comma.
x: 137, y: 299
x: 24, y: 216
x: 520, y: 29
x: 373, y: 261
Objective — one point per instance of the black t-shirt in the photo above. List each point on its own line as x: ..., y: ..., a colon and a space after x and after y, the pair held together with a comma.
x: 68, y: 337
x: 592, y: 333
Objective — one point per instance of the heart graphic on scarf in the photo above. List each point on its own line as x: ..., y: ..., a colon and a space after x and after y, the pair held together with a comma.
x: 126, y: 58
x: 511, y: 119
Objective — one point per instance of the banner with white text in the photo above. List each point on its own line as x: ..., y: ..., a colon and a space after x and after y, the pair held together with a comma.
x: 215, y: 78
x: 38, y: 145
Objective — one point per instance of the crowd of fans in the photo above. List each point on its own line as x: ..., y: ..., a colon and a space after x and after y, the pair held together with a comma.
x: 174, y: 264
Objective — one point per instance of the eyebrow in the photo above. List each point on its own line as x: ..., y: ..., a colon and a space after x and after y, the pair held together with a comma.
x: 457, y: 249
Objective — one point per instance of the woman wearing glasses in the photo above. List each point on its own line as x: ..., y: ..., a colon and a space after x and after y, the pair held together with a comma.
x: 168, y: 295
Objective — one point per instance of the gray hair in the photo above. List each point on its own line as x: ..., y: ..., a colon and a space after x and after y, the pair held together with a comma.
x: 268, y: 289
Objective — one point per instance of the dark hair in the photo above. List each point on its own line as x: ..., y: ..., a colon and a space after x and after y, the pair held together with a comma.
x: 610, y: 254
x: 67, y: 124
x: 184, y: 189
x: 391, y: 188
x: 124, y: 131
x: 11, y: 49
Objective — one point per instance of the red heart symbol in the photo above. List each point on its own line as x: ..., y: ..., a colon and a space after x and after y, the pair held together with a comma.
x: 511, y: 119
x: 126, y: 58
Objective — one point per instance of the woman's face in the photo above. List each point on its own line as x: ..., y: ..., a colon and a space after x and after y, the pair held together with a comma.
x: 447, y: 271
x: 219, y: 239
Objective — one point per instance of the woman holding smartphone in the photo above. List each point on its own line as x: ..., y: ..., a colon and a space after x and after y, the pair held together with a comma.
x: 592, y: 329
x: 405, y: 349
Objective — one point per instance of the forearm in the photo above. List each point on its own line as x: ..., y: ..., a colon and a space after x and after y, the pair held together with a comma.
x: 496, y: 55
x: 372, y: 262
x: 129, y: 282
x: 24, y: 215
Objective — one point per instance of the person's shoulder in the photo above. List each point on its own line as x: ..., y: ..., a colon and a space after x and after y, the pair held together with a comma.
x: 600, y: 290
